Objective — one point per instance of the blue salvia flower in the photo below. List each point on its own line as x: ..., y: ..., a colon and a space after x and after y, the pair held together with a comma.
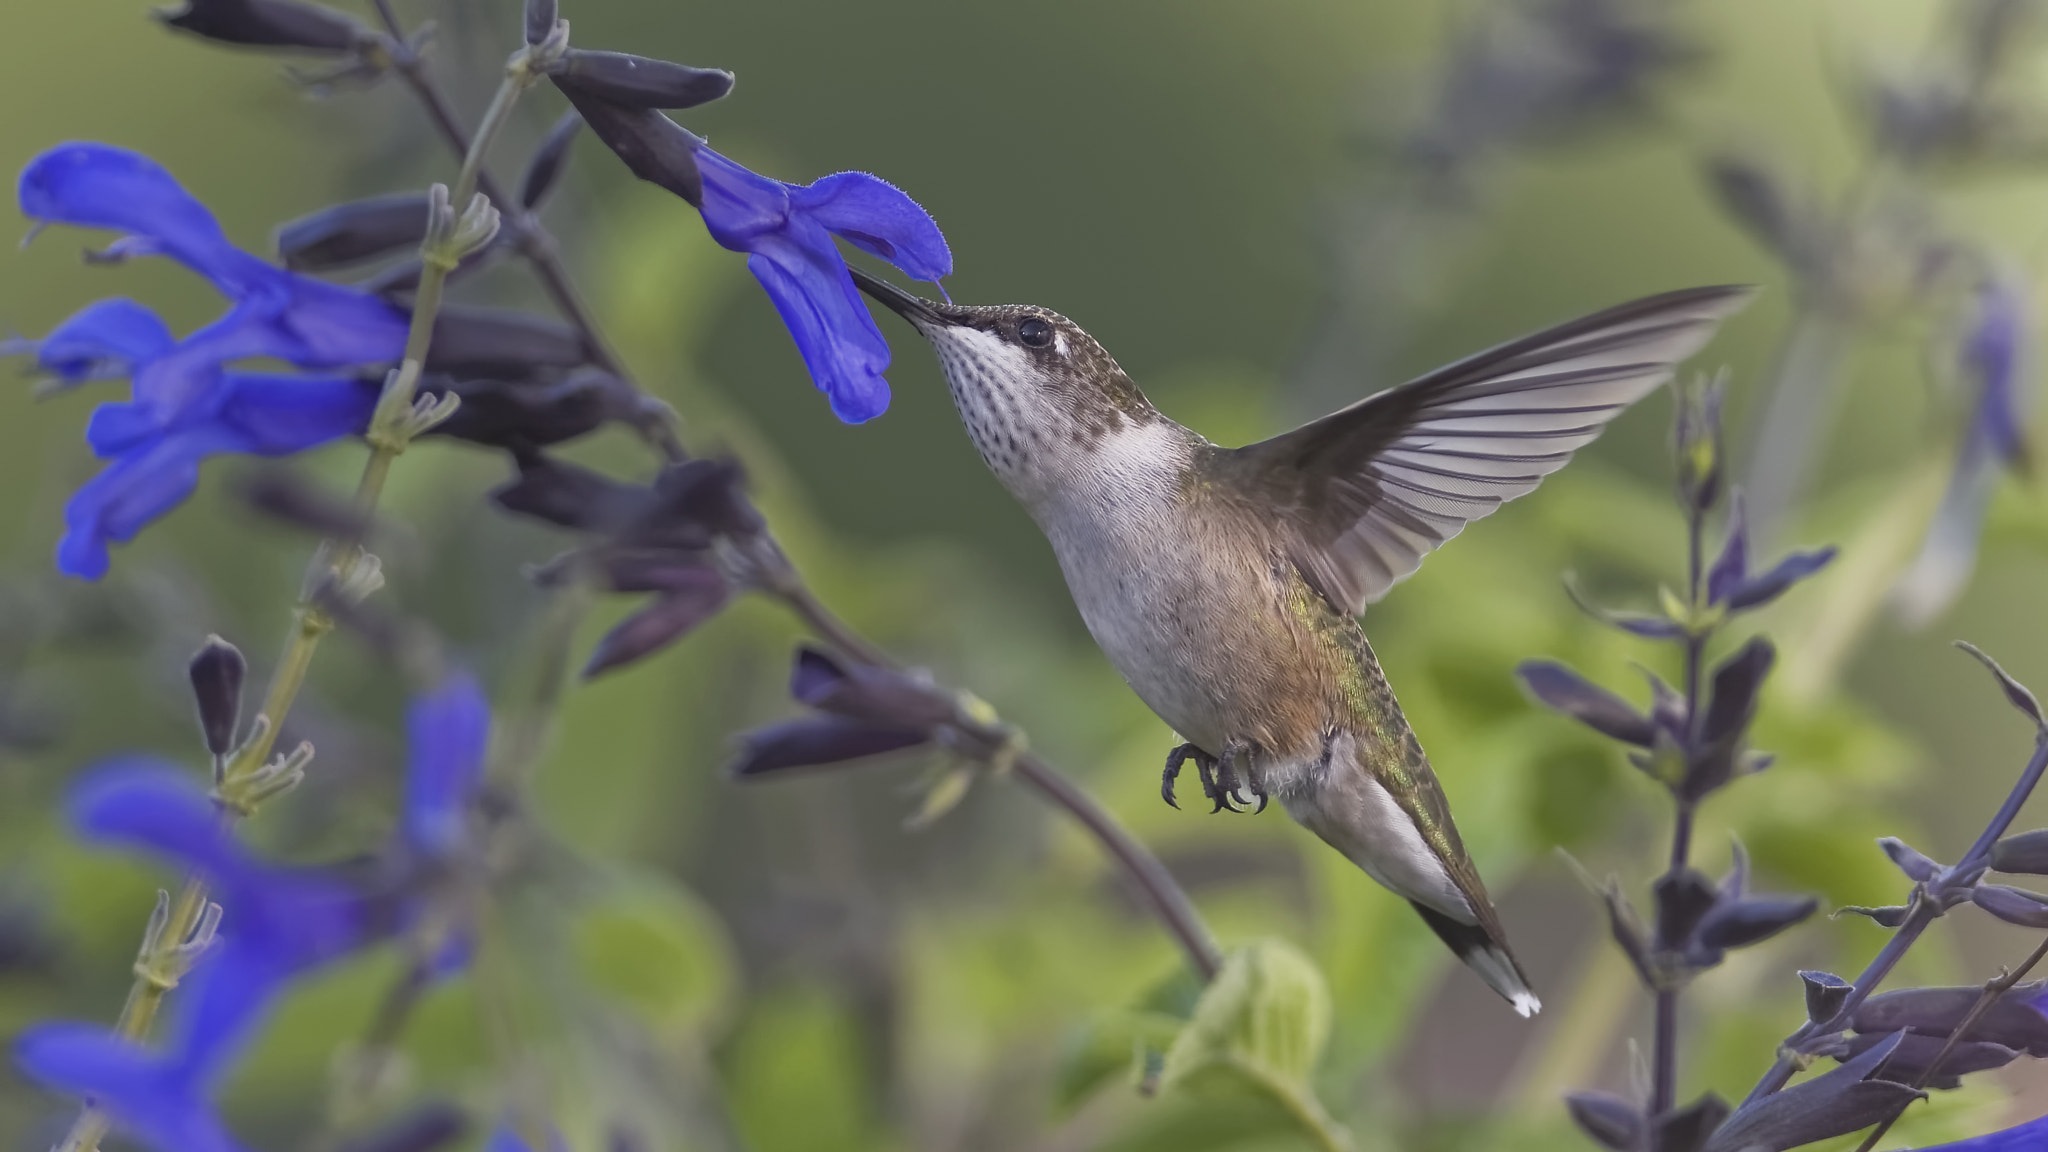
x: 185, y: 405
x: 162, y: 1098
x: 278, y: 922
x: 1994, y: 359
x: 787, y: 231
x: 1731, y: 584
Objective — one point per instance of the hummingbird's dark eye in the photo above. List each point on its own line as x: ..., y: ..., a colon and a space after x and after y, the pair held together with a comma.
x: 1035, y: 332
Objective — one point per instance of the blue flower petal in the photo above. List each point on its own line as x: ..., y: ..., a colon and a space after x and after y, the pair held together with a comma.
x: 450, y: 731
x: 104, y: 340
x: 129, y: 493
x: 740, y: 206
x: 841, y: 346
x: 877, y: 217
x: 100, y: 186
x: 280, y: 414
x: 148, y: 1096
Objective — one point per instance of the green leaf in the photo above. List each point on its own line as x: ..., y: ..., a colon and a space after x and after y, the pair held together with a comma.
x: 655, y: 952
x: 1261, y: 1026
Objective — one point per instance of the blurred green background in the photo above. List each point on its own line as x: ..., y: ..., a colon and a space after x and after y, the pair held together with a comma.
x: 1185, y: 179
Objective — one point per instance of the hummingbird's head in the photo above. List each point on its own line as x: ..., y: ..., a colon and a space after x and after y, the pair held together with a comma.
x: 1040, y: 398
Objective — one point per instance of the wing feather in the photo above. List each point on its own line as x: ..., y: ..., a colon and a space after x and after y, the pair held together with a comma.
x: 1370, y: 490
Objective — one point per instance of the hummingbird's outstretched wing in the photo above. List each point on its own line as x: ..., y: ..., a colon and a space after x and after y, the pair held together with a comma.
x: 1372, y: 488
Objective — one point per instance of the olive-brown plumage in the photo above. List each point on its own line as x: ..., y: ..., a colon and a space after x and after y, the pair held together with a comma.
x: 1225, y: 584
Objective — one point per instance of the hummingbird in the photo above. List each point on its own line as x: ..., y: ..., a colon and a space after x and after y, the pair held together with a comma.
x: 1226, y: 584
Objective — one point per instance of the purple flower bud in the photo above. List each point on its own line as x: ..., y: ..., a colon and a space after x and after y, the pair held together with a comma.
x: 660, y: 624
x: 1732, y: 566
x: 541, y: 18
x: 216, y: 672
x: 817, y: 742
x: 1741, y: 923
x: 501, y: 343
x: 1628, y: 933
x: 1758, y: 591
x: 2025, y: 853
x: 569, y: 495
x: 631, y: 81
x: 549, y: 160
x: 348, y: 234
x: 1609, y: 1120
x: 1563, y: 690
x: 1698, y: 435
x: 2016, y: 693
x: 1687, y: 1129
x: 1732, y: 706
x: 1825, y: 995
x: 653, y: 147
x: 2014, y: 1019
x: 1837, y: 1102
x: 2012, y: 905
x: 1917, y: 867
x: 867, y: 692
x: 524, y: 415
x: 282, y: 24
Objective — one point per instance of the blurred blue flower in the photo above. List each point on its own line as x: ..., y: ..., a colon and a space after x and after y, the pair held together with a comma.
x: 1995, y: 351
x: 278, y: 922
x: 185, y: 405
x: 506, y: 1138
x: 787, y: 231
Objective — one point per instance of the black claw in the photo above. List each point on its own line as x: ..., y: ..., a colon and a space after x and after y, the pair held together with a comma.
x: 1174, y: 760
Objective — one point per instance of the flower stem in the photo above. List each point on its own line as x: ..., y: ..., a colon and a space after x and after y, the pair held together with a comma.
x: 1927, y: 907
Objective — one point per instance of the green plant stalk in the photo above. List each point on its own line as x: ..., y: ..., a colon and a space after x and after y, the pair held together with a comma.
x: 388, y: 437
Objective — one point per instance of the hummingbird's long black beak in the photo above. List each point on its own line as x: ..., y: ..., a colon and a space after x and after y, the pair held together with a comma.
x: 919, y: 311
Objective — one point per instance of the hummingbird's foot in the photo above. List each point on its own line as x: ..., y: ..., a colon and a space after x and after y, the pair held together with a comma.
x: 1174, y: 760
x: 1227, y: 790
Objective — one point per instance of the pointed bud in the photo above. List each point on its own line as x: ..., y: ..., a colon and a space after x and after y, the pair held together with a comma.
x: 1741, y: 923
x: 1835, y: 1103
x: 637, y: 81
x: 818, y: 742
x: 282, y: 24
x: 1917, y: 867
x: 2016, y: 693
x: 549, y: 160
x: 1889, y: 916
x: 1563, y: 690
x: 1628, y: 933
x: 867, y: 692
x: 541, y: 17
x: 2012, y: 905
x: 353, y: 233
x: 424, y: 1128
x: 216, y: 672
x: 2025, y: 853
x: 661, y: 623
x: 653, y: 147
x: 1732, y: 706
x: 1698, y: 436
x: 501, y: 343
x: 1825, y: 995
x: 1609, y: 1120
x: 523, y: 415
x: 1687, y: 1129
x: 569, y: 495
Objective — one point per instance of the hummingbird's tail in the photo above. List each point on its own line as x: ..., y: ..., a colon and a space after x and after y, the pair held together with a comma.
x: 1486, y: 955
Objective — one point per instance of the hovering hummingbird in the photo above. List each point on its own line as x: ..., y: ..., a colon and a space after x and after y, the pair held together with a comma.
x: 1225, y: 584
